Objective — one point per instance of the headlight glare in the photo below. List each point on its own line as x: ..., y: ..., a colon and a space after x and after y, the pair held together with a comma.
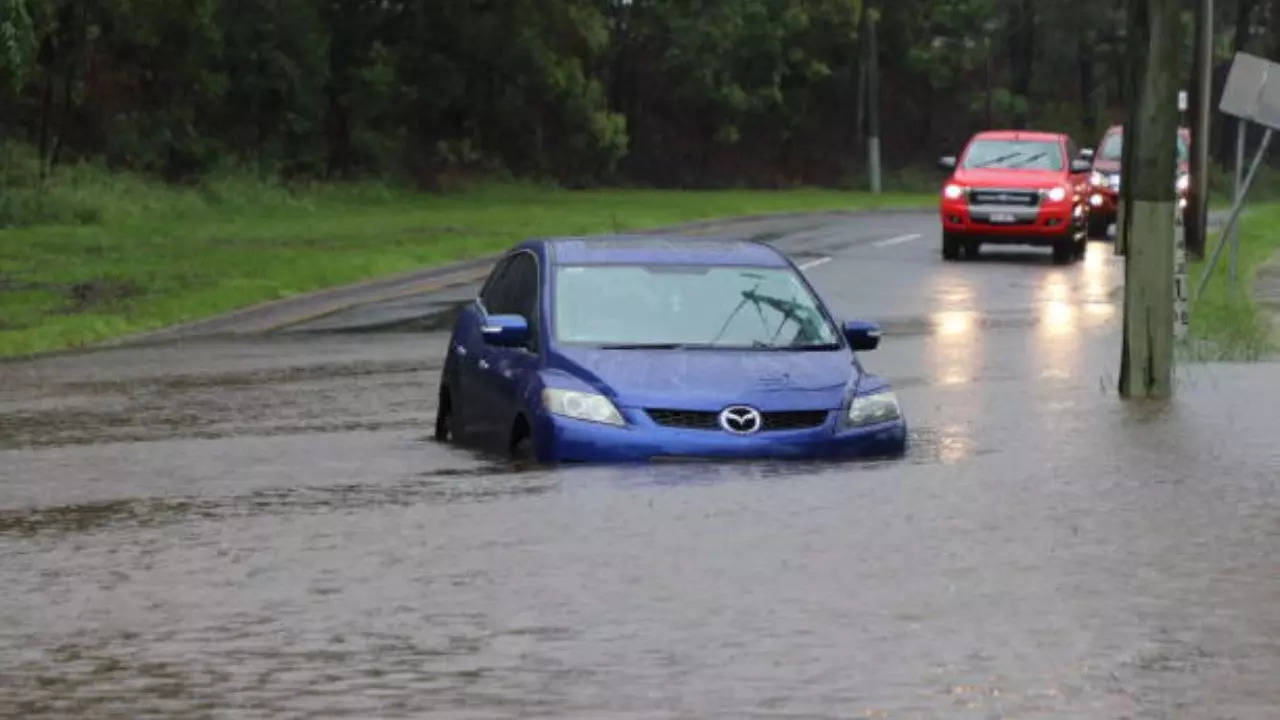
x: 952, y: 191
x: 1097, y: 179
x: 873, y: 409
x: 581, y: 406
x: 1184, y: 183
x: 1057, y: 194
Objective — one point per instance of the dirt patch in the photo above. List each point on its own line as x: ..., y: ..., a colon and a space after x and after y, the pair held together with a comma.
x: 95, y: 293
x: 1266, y: 289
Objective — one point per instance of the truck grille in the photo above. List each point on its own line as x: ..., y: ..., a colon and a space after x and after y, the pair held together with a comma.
x: 703, y: 420
x: 1019, y: 198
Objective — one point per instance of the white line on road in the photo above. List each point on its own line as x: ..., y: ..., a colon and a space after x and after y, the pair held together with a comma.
x: 897, y: 240
x: 814, y: 263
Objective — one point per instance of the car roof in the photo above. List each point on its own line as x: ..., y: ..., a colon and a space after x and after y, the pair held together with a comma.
x: 1017, y: 135
x: 660, y: 250
x: 1184, y: 131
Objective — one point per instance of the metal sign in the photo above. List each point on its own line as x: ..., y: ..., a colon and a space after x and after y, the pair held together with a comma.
x: 1252, y: 94
x: 1253, y: 91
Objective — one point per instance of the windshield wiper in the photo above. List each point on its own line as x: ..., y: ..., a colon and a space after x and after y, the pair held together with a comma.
x: 1000, y: 159
x: 1029, y: 158
x: 643, y: 346
x: 758, y: 345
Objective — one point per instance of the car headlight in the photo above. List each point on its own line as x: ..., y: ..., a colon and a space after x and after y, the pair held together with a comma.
x: 953, y: 191
x: 1097, y: 179
x: 581, y: 406
x: 873, y: 409
x: 1057, y: 194
x: 1184, y: 183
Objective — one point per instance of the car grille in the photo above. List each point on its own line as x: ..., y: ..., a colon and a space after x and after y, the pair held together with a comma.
x: 1020, y: 198
x: 703, y: 420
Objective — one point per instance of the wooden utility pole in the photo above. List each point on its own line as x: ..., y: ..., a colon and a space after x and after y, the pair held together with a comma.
x: 1202, y: 68
x: 1146, y: 366
x: 873, y: 102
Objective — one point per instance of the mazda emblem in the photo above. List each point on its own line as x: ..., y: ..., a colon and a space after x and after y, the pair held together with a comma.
x: 741, y: 420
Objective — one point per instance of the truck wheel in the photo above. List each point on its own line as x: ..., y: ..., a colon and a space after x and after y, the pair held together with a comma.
x: 1064, y: 251
x: 971, y: 249
x: 1097, y: 227
x: 950, y: 247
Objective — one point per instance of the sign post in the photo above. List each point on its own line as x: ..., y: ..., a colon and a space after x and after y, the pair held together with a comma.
x: 1181, y: 291
x: 1252, y: 94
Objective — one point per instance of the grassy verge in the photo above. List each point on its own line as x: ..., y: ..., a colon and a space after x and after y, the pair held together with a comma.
x: 1227, y: 321
x: 137, y: 255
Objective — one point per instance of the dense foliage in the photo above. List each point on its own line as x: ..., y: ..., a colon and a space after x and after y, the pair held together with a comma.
x: 668, y: 92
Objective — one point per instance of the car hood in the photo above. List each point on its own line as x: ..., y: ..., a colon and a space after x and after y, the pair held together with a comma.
x: 710, y: 380
x: 1009, y: 178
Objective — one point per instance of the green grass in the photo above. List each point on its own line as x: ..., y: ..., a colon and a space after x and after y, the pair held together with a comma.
x: 134, y: 255
x: 1227, y: 322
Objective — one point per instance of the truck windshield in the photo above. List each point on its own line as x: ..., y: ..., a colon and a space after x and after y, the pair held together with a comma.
x: 665, y: 306
x: 1113, y: 148
x: 1013, y: 155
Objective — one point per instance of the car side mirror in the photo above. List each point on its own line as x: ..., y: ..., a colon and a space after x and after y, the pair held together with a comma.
x: 862, y: 335
x: 1080, y: 166
x: 506, y: 330
x: 947, y: 162
x: 1086, y: 154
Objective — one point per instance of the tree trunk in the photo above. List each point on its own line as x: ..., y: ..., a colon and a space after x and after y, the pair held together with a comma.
x: 46, y: 103
x: 1201, y: 88
x: 1022, y: 49
x: 1088, y: 85
x: 64, y: 120
x: 1146, y: 367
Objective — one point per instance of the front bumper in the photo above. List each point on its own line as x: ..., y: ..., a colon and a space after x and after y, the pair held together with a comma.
x: 558, y: 439
x: 1102, y: 204
x: 1042, y: 225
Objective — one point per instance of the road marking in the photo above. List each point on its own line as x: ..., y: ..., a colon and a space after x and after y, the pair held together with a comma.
x: 814, y: 263
x: 897, y: 240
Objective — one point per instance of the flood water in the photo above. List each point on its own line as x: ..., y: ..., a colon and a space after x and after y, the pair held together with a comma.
x: 262, y: 529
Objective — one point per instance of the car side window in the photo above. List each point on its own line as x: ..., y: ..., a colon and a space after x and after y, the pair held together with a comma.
x: 523, y: 299
x: 513, y: 290
x: 495, y: 288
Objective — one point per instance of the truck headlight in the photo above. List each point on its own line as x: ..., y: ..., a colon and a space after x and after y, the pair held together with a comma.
x: 1184, y: 183
x: 873, y: 409
x: 581, y: 406
x: 952, y: 191
x: 1056, y: 194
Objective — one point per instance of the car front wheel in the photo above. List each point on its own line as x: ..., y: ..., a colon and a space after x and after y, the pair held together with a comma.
x: 950, y: 247
x: 445, y: 419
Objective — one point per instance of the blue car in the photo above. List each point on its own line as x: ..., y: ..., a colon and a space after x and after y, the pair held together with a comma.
x: 641, y: 348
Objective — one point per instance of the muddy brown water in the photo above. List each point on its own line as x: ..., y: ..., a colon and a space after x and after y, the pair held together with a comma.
x: 261, y: 528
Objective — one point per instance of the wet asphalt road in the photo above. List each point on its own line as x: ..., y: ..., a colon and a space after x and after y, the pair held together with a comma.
x: 261, y: 528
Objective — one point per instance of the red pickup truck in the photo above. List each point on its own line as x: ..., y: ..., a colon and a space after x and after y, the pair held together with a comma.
x: 1015, y: 187
x: 1104, y: 182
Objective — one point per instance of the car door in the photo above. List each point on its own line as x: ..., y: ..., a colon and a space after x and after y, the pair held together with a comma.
x: 507, y: 369
x: 472, y: 395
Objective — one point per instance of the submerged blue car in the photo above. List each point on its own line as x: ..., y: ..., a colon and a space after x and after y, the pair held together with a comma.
x: 641, y: 348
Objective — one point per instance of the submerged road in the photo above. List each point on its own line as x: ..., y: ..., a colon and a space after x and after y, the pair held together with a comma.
x: 260, y: 527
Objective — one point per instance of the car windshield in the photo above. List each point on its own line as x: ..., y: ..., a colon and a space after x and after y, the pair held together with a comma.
x: 1013, y: 155
x: 1113, y: 148
x: 695, y: 306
